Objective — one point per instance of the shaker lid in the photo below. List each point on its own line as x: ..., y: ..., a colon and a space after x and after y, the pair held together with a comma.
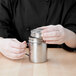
x: 36, y: 33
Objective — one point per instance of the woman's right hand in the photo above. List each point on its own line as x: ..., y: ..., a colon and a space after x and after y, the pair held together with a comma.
x: 12, y: 48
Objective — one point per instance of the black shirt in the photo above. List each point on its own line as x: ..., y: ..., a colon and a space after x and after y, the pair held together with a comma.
x: 18, y: 17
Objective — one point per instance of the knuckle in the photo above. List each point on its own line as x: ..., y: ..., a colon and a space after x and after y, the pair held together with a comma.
x: 59, y: 27
x: 13, y: 39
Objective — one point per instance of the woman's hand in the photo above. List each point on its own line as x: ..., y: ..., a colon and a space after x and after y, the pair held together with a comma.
x: 12, y: 48
x: 58, y: 35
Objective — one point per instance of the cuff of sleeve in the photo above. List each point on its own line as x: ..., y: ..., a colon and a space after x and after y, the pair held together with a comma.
x: 64, y: 46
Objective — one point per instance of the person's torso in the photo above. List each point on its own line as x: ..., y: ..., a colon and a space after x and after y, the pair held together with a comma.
x: 30, y: 14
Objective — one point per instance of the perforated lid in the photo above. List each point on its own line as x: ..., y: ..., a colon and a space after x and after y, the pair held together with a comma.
x: 36, y: 33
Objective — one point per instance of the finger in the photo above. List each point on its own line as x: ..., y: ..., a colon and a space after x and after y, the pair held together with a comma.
x: 50, y: 29
x: 17, y: 45
x: 15, y: 56
x: 50, y: 26
x: 55, y: 42
x: 16, y: 51
x: 51, y: 34
x: 61, y: 30
x: 51, y: 38
x: 45, y: 27
x: 11, y: 55
x: 21, y: 43
x: 24, y: 44
x: 14, y: 43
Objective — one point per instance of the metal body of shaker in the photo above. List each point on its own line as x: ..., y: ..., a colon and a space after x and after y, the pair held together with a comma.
x: 37, y: 47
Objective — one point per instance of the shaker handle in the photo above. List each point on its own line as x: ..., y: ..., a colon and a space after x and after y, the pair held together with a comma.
x: 27, y: 53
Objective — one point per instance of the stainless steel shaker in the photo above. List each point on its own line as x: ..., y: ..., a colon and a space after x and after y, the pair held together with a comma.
x: 37, y: 47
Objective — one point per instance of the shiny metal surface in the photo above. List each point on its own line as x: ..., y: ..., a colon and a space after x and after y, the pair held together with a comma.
x: 36, y: 33
x: 38, y: 51
x: 37, y: 47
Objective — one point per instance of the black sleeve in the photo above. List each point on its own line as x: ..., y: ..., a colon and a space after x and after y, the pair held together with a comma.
x: 70, y: 22
x: 5, y: 18
x: 70, y: 18
x: 64, y: 46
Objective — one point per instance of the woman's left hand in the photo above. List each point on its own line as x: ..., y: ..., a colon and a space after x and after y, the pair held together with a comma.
x: 55, y: 34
